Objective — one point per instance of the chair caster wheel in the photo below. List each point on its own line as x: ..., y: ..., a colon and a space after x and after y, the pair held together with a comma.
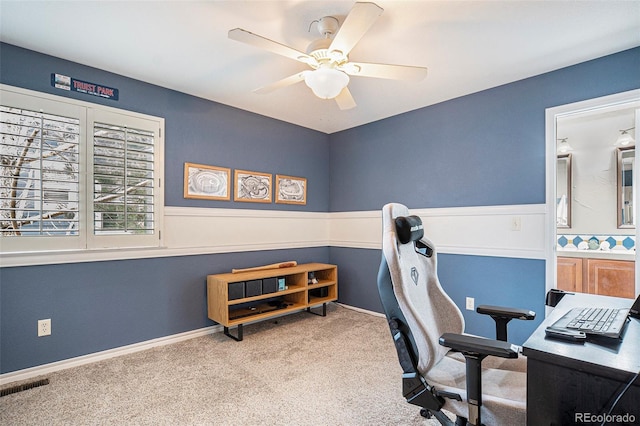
x: 425, y: 413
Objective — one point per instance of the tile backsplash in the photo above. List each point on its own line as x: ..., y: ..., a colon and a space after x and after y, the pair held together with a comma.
x: 616, y: 242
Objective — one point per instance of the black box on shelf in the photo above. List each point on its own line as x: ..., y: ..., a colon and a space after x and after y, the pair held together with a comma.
x: 319, y: 292
x: 253, y: 288
x: 236, y: 290
x: 269, y: 285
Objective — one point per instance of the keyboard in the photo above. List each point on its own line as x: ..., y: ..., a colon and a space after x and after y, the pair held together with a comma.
x: 596, y: 319
x: 607, y: 322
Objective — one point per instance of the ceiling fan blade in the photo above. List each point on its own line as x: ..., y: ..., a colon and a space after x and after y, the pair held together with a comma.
x: 248, y: 37
x: 358, y: 21
x: 288, y: 81
x: 345, y: 100
x: 393, y: 72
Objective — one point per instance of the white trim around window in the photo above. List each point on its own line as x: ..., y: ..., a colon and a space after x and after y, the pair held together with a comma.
x: 67, y: 150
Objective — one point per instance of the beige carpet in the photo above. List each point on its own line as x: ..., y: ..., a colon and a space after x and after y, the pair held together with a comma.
x: 300, y: 369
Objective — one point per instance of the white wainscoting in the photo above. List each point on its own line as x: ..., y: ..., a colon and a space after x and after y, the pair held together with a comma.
x: 201, y: 230
x: 484, y: 231
x: 464, y: 230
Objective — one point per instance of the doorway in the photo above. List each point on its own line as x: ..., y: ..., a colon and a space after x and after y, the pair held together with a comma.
x: 591, y: 196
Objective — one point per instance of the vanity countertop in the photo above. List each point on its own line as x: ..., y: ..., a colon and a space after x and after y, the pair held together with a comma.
x: 599, y: 254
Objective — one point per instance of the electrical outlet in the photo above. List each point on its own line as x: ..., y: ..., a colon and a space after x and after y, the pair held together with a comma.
x: 44, y: 327
x: 470, y: 303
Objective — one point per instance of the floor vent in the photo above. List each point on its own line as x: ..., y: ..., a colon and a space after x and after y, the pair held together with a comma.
x: 26, y: 386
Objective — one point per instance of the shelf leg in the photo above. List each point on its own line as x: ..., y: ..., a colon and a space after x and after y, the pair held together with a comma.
x: 237, y: 338
x: 324, y: 311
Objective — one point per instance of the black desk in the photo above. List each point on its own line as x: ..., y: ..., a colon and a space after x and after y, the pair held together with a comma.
x: 567, y: 378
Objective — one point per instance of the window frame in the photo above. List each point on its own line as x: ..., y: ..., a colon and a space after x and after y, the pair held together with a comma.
x: 87, y: 113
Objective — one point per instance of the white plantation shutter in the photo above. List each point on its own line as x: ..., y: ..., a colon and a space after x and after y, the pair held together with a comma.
x: 41, y: 168
x: 63, y: 187
x: 124, y: 180
x: 40, y: 173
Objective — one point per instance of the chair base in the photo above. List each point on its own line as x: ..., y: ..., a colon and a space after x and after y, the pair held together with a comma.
x: 442, y: 418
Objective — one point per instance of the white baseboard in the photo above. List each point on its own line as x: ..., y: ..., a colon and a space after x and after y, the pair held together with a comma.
x: 364, y: 311
x: 40, y: 370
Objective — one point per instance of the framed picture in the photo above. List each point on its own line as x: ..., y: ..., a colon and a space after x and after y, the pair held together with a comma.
x: 291, y: 190
x: 207, y: 182
x: 252, y: 186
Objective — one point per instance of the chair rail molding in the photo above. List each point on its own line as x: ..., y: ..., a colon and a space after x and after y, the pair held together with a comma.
x: 482, y: 231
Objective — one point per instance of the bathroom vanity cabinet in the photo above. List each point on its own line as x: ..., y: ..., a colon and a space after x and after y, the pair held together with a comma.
x: 597, y: 276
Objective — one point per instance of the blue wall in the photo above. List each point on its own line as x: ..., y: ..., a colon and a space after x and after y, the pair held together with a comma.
x: 489, y: 280
x: 494, y: 281
x: 414, y: 158
x: 197, y: 130
x: 484, y: 149
x: 103, y: 305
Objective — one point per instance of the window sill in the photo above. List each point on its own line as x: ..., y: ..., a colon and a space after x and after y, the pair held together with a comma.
x: 76, y: 256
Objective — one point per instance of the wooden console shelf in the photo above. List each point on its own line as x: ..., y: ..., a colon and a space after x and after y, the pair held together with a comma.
x: 235, y: 299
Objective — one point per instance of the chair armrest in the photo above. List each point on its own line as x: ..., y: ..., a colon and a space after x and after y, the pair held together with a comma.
x: 475, y: 349
x: 504, y: 312
x: 502, y: 316
x: 478, y: 345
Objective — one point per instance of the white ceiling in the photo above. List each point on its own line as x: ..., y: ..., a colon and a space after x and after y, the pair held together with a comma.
x: 467, y: 46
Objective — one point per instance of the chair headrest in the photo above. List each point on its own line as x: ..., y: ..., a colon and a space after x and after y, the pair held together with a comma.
x: 409, y: 228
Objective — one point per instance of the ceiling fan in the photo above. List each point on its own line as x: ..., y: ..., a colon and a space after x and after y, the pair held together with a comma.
x: 328, y: 56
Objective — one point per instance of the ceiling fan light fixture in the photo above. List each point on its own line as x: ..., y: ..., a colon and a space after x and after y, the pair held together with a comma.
x: 328, y: 56
x: 326, y: 83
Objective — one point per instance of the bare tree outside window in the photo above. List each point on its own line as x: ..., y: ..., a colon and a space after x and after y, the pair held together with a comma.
x: 77, y: 176
x: 39, y: 173
x: 39, y: 176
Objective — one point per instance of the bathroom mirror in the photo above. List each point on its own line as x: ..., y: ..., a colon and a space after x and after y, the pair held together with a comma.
x: 563, y: 191
x: 626, y: 160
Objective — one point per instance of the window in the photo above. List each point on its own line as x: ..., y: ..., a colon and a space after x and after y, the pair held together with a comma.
x: 122, y: 179
x: 77, y: 176
x: 40, y: 173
